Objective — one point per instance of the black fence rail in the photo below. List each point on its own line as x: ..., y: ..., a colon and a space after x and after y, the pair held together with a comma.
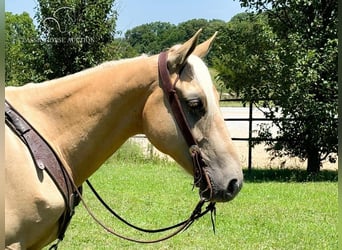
x: 250, y: 119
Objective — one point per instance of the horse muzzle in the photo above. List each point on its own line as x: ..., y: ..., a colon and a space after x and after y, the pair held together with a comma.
x: 210, y: 191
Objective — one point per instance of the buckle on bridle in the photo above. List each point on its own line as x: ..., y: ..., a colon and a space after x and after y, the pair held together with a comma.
x: 194, y: 149
x: 200, y: 173
x: 195, y: 154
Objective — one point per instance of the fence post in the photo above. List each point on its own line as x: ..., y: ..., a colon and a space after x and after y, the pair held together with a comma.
x: 250, y: 128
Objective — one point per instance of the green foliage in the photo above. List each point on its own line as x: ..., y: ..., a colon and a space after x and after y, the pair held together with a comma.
x: 243, y: 42
x: 75, y: 34
x: 155, y: 37
x: 118, y: 49
x: 23, y: 53
x: 287, y: 54
x: 71, y: 36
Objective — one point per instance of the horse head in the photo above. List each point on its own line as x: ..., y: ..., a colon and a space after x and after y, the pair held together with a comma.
x: 86, y: 116
x: 199, y: 102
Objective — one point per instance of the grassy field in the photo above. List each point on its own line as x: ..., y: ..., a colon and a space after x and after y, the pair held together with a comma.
x: 275, y: 209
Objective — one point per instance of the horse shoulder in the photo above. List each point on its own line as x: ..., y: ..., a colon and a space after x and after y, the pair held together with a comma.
x: 33, y: 204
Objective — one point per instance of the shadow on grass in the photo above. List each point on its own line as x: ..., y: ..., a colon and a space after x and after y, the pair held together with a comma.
x: 288, y: 175
x: 132, y: 152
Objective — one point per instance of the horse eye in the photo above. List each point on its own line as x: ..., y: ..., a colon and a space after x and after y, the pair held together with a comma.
x: 195, y: 103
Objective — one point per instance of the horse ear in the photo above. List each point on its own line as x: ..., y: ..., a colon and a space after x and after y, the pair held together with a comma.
x: 202, y: 49
x: 178, y: 54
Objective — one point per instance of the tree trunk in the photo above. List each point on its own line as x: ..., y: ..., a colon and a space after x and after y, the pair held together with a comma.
x: 314, y: 161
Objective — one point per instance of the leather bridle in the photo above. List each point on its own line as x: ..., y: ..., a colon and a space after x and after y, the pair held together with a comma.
x: 199, y: 165
x: 200, y: 174
x: 201, y: 177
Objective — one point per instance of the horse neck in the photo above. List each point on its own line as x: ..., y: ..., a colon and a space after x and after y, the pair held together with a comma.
x: 88, y: 115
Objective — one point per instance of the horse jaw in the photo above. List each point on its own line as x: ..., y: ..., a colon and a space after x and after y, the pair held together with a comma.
x: 160, y: 126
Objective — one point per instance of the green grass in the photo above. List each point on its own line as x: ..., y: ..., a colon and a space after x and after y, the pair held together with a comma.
x: 274, y: 210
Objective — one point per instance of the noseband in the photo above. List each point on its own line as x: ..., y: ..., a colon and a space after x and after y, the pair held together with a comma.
x: 169, y: 89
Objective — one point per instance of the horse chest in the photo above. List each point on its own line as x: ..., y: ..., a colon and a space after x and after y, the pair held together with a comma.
x: 33, y: 203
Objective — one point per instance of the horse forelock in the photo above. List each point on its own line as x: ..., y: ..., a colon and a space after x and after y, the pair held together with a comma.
x: 202, y: 76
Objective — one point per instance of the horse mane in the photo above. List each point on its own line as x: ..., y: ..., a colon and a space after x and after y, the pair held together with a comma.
x: 118, y: 62
x: 103, y: 65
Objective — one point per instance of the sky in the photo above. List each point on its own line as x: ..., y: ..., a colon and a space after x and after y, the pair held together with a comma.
x: 136, y: 12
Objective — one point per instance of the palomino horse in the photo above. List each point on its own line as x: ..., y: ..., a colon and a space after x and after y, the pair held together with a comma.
x: 85, y: 117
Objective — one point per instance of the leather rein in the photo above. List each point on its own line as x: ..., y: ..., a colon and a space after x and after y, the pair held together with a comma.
x: 73, y: 194
x: 198, y: 164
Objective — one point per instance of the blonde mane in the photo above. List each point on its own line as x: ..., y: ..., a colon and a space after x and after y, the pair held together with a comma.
x: 107, y: 64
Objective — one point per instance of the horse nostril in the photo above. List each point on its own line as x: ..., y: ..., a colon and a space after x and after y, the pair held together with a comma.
x: 233, y: 186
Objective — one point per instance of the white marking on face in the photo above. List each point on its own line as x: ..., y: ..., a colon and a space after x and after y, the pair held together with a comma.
x: 202, y: 76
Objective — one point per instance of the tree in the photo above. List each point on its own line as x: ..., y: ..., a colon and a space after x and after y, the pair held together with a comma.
x: 187, y: 28
x: 155, y: 37
x: 23, y: 53
x: 120, y: 48
x: 152, y: 38
x: 298, y: 74
x: 75, y: 33
x: 242, y: 44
